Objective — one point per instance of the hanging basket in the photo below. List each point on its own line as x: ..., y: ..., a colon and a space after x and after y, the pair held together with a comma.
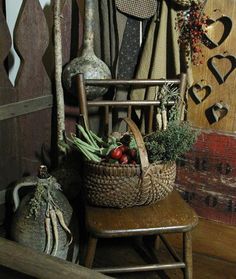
x: 117, y: 185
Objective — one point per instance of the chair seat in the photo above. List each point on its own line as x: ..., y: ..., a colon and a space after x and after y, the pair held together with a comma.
x: 172, y: 214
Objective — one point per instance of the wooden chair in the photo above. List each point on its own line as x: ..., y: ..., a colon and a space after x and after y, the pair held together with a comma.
x: 171, y: 215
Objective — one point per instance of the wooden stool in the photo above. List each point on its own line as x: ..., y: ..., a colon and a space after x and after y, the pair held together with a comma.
x: 171, y: 215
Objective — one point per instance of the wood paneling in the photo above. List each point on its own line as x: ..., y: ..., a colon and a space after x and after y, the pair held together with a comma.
x: 207, y: 176
x: 31, y: 40
x: 21, y: 138
x: 213, y: 239
x: 25, y: 107
x: 9, y: 149
x: 219, y: 63
x: 117, y: 252
x: 5, y: 45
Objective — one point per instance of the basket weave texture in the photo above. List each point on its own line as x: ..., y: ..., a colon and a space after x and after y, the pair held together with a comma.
x: 116, y: 185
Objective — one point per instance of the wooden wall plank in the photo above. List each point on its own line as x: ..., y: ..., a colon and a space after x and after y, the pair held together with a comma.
x: 212, y: 239
x: 5, y: 45
x: 10, y: 162
x: 66, y: 25
x: 223, y: 13
x: 25, y: 107
x: 31, y: 40
x: 207, y: 176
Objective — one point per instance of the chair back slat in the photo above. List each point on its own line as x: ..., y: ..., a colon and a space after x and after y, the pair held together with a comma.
x: 129, y: 105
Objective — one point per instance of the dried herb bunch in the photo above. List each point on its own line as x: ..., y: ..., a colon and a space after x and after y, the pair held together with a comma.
x: 174, y: 137
x: 44, y: 194
x: 192, y: 26
x: 170, y: 144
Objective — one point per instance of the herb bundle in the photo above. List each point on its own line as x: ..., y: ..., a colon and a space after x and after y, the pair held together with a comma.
x: 170, y: 144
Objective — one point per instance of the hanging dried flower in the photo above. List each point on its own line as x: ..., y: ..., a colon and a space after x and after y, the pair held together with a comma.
x: 192, y: 25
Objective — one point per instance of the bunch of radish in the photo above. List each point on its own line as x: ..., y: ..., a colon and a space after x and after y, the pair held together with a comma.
x: 123, y: 154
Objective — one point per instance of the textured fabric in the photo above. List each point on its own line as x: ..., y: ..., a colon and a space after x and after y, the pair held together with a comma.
x: 109, y: 28
x: 128, y: 58
x: 156, y: 56
x: 153, y: 60
x: 138, y: 8
x: 129, y: 49
x: 109, y: 31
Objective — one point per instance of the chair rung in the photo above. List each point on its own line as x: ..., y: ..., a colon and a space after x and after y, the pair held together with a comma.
x: 140, y: 268
x: 137, y: 103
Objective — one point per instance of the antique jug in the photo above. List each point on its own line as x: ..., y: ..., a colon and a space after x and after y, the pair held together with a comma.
x: 88, y: 63
x: 42, y: 218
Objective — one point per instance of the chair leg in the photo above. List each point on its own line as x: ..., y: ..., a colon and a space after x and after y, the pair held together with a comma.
x: 187, y: 255
x: 157, y: 242
x: 90, y: 253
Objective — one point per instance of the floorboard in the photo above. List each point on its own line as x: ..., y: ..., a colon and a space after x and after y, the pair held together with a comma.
x: 116, y: 252
x: 128, y: 251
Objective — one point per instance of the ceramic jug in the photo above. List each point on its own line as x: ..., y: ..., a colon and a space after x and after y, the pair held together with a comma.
x: 88, y: 63
x: 42, y: 217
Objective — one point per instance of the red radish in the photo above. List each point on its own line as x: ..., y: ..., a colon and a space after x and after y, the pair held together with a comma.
x: 116, y: 153
x: 123, y: 148
x: 133, y: 153
x: 124, y: 159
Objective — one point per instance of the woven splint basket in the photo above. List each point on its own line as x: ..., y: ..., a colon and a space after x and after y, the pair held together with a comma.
x: 117, y: 185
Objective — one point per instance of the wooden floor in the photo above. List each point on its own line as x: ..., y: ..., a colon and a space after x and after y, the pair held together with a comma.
x: 127, y: 252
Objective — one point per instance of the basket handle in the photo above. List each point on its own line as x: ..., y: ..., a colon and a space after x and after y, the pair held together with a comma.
x: 140, y: 143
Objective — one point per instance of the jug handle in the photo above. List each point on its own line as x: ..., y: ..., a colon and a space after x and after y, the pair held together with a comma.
x: 27, y: 181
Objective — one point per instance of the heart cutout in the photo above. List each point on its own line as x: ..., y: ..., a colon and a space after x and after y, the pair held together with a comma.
x: 217, y: 65
x: 217, y: 31
x: 199, y: 92
x: 217, y: 112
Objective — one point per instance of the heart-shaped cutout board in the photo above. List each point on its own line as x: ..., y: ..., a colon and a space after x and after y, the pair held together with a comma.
x: 221, y: 66
x: 199, y: 92
x: 217, y: 31
x: 217, y: 112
